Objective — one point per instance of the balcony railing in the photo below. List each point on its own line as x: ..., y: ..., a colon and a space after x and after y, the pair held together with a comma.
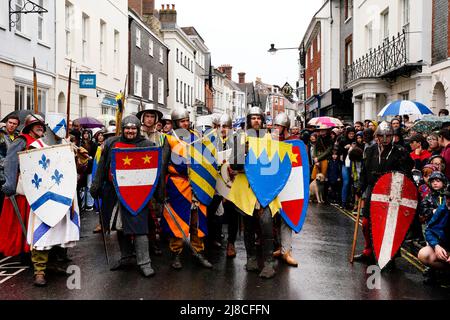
x: 379, y: 62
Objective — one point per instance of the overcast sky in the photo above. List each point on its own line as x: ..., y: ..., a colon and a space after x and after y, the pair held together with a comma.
x: 239, y: 33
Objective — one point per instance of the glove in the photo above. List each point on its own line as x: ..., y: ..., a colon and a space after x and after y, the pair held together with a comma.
x: 8, y: 191
x: 94, y: 191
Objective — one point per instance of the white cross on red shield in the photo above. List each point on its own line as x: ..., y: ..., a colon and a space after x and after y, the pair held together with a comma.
x: 392, y: 209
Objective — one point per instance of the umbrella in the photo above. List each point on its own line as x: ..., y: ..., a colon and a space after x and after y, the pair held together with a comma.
x: 105, y: 119
x: 325, y: 122
x: 429, y: 123
x: 401, y: 107
x: 22, y: 114
x: 89, y: 122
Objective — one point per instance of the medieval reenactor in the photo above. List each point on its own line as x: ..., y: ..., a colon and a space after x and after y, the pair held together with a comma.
x: 380, y: 158
x: 167, y: 124
x: 8, y: 133
x: 184, y: 214
x: 282, y: 124
x: 149, y: 118
x: 12, y: 223
x: 260, y: 222
x: 231, y: 212
x: 130, y: 228
x: 53, y: 243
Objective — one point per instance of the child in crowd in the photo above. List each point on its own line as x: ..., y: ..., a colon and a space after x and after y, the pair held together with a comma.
x: 334, y: 176
x: 356, y: 158
x: 424, y: 189
x: 437, y: 183
x: 437, y: 234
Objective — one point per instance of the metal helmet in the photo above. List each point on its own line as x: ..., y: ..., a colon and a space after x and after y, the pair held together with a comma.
x: 131, y: 121
x: 178, y: 114
x: 255, y: 111
x: 225, y: 120
x: 167, y: 117
x: 150, y: 109
x: 282, y: 120
x: 216, y: 119
x: 204, y: 122
x: 384, y: 129
x: 32, y: 119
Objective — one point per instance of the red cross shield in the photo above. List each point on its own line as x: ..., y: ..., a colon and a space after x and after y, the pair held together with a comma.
x: 392, y: 209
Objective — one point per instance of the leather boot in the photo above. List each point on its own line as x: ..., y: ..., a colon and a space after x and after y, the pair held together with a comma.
x: 123, y: 263
x: 176, y: 261
x: 39, y: 280
x: 143, y: 256
x: 268, y: 271
x: 287, y: 257
x: 231, y: 251
x: 277, y: 253
x: 252, y: 264
x: 203, y: 261
x: 367, y: 255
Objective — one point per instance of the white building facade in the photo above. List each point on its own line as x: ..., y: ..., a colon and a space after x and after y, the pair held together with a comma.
x: 94, y: 36
x: 219, y: 91
x: 201, y: 69
x: 31, y: 36
x: 391, y: 54
x: 181, y: 69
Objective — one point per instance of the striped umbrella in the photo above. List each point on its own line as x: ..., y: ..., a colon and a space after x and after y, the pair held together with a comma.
x: 325, y: 122
x: 401, y: 107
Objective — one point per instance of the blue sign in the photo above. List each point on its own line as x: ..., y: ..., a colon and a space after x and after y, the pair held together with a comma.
x: 109, y: 102
x: 88, y: 81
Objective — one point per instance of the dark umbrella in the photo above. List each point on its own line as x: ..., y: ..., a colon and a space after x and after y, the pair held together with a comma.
x: 89, y: 122
x: 22, y: 114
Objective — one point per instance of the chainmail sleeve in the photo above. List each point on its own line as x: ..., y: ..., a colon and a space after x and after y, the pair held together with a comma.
x: 11, y: 166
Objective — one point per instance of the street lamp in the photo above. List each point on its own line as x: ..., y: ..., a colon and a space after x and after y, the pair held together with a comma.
x: 301, y: 53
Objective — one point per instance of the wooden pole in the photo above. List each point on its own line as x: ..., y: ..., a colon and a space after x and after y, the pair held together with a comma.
x: 69, y: 89
x: 35, y: 90
x: 355, y: 234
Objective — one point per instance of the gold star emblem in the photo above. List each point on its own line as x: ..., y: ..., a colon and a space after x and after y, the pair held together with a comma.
x: 146, y: 159
x: 294, y: 158
x: 127, y: 161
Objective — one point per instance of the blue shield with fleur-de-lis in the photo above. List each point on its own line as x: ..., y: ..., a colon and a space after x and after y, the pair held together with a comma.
x: 49, y: 179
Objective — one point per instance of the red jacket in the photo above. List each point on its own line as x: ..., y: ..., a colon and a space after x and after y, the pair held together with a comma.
x: 420, y: 160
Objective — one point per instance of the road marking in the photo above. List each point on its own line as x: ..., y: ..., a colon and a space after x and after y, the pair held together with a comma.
x: 4, y: 268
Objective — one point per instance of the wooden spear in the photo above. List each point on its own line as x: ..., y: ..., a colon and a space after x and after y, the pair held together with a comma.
x: 35, y: 89
x: 69, y: 89
x: 355, y: 234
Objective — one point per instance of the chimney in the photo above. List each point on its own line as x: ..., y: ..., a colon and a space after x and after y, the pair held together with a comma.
x: 136, y: 5
x: 227, y: 70
x: 148, y: 6
x: 168, y: 15
x: 241, y: 77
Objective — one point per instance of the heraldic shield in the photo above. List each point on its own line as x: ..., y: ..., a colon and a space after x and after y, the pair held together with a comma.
x: 295, y: 194
x: 49, y: 178
x: 203, y: 168
x: 267, y: 167
x: 135, y: 174
x: 392, y: 209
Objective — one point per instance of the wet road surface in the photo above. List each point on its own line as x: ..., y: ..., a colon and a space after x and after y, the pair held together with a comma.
x: 322, y: 250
